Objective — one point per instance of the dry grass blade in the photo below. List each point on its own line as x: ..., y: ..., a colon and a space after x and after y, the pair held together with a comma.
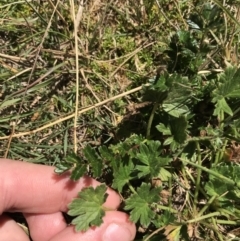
x: 62, y: 119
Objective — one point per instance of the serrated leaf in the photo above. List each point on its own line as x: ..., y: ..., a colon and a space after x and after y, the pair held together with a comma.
x: 78, y: 172
x: 88, y: 207
x: 180, y: 91
x: 106, y: 153
x: 94, y: 160
x: 174, y: 145
x: 222, y: 105
x: 163, y: 129
x: 126, y: 147
x: 189, y: 149
x: 184, y: 36
x: 230, y: 171
x: 164, y: 219
x: 178, y: 128
x: 69, y: 161
x: 172, y: 232
x: 175, y: 109
x: 229, y: 84
x: 122, y: 175
x: 156, y: 92
x: 73, y: 158
x: 62, y: 167
x: 112, y: 159
x: 217, y: 186
x: 140, y: 204
x: 164, y: 175
x: 168, y: 141
x: 148, y: 155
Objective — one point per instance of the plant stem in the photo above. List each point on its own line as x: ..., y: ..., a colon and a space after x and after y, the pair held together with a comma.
x: 207, y: 205
x: 216, y: 227
x: 221, y: 119
x: 170, y: 190
x: 200, y: 188
x: 131, y: 188
x: 227, y: 222
x: 204, y: 217
x: 152, y: 234
x: 223, y: 150
x: 197, y: 183
x: 217, y: 157
x: 150, y: 121
x: 220, y: 153
x: 212, y: 172
x: 166, y: 208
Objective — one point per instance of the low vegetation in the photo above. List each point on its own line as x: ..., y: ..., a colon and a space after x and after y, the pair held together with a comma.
x: 142, y: 95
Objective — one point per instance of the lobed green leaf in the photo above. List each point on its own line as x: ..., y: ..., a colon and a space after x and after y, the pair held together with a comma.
x: 94, y: 160
x: 88, y: 207
x: 140, y: 204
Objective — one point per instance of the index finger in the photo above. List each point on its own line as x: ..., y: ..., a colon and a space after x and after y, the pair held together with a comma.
x: 33, y: 188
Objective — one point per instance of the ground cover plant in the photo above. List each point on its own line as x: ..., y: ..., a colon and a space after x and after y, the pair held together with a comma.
x: 144, y: 96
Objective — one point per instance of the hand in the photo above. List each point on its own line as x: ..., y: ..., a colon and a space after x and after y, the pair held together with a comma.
x: 42, y: 196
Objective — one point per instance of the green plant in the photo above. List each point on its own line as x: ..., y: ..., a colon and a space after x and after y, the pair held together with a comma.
x: 172, y: 149
x: 202, y: 185
x: 180, y: 180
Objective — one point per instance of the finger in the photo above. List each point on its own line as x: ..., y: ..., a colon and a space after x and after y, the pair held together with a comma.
x: 45, y: 226
x: 32, y: 188
x: 116, y: 227
x: 10, y: 230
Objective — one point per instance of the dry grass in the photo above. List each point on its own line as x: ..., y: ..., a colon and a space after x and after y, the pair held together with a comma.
x: 62, y: 66
x: 71, y: 72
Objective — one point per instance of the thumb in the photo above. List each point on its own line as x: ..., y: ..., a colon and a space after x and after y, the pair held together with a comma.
x: 116, y: 227
x: 10, y: 230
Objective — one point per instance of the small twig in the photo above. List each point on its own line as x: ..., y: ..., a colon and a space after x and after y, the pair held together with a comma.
x: 19, y: 73
x: 59, y: 120
x: 76, y: 25
x: 14, y: 58
x: 154, y: 232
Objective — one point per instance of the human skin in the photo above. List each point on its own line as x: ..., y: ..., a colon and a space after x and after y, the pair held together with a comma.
x: 42, y: 196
